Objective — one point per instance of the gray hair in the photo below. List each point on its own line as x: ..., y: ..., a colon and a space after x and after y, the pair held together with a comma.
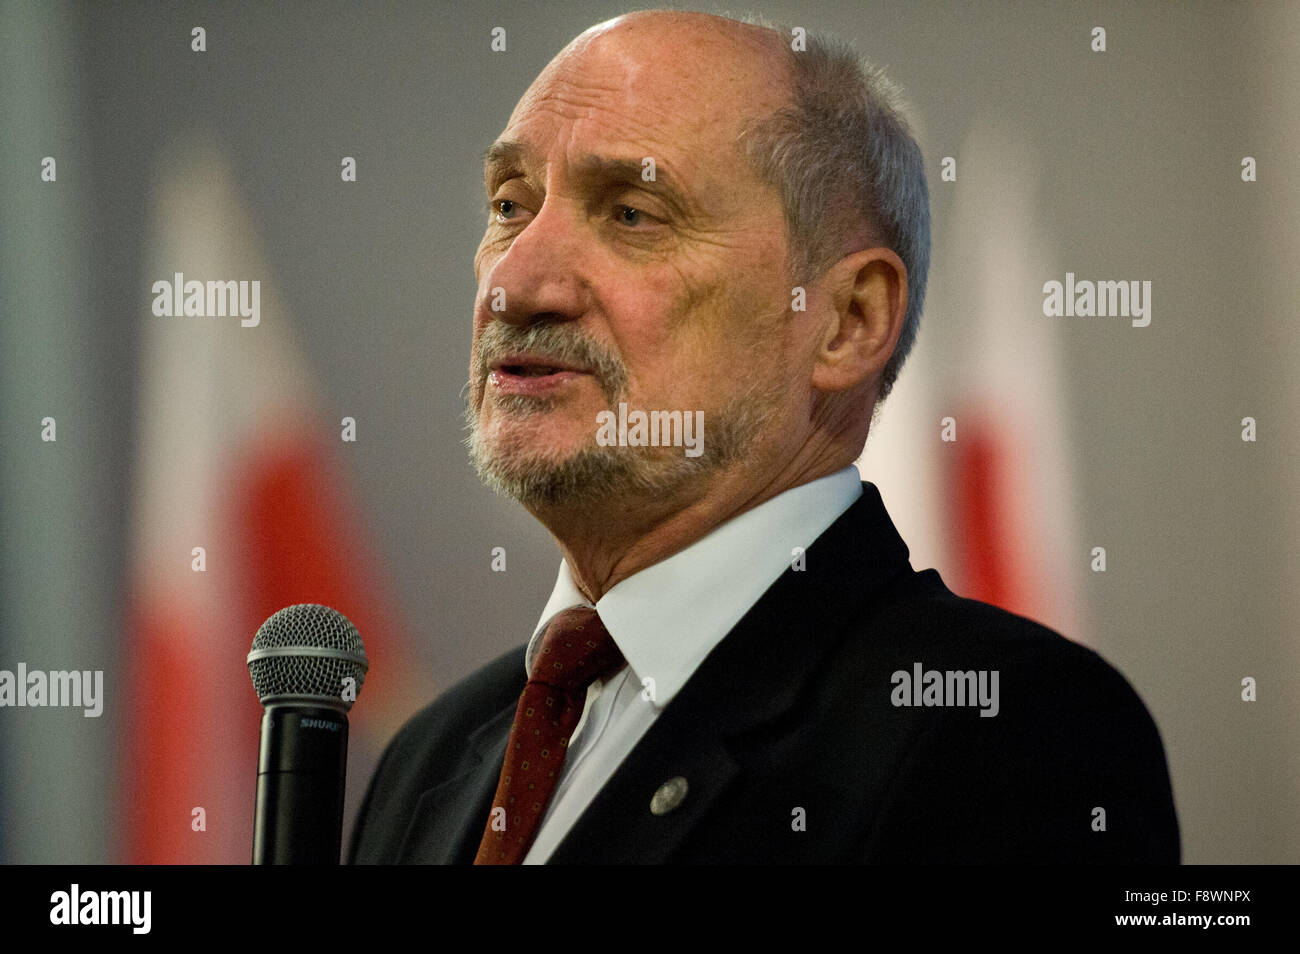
x: 843, y: 154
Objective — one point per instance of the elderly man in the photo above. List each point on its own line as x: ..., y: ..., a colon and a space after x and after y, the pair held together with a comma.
x: 701, y: 235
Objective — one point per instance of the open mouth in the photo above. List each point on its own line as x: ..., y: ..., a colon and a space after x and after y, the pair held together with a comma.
x: 530, y: 370
x: 520, y: 374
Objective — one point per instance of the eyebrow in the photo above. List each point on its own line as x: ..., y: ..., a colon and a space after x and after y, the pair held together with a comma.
x: 504, y: 153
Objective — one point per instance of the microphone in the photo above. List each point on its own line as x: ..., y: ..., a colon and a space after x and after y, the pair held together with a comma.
x: 307, y: 664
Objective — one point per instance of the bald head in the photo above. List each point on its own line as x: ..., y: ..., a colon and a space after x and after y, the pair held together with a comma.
x: 721, y: 48
x: 710, y: 72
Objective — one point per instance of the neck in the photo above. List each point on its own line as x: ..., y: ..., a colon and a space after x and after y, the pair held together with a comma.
x: 604, y: 543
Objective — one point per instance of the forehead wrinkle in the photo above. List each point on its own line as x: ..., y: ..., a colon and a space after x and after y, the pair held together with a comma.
x: 651, y: 99
x: 570, y: 92
x: 625, y: 121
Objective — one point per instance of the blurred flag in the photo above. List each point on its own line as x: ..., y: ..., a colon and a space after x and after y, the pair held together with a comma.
x: 241, y: 507
x: 994, y: 510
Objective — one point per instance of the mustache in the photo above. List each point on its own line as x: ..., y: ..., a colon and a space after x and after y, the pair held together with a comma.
x: 553, y: 341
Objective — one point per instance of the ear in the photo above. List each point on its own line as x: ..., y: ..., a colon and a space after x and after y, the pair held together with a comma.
x: 868, y: 299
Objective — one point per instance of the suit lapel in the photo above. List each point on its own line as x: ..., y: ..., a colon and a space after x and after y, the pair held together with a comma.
x: 448, y: 822
x: 619, y: 826
x: 754, y: 675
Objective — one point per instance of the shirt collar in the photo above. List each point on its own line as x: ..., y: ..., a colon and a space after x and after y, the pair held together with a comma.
x: 668, y: 617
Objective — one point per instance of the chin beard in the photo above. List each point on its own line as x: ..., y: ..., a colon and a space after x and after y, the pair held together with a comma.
x: 595, y: 474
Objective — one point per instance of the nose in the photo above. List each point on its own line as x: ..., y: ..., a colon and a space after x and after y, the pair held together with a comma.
x: 540, y: 276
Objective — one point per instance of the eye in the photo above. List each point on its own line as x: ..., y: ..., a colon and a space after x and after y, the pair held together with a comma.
x: 503, y: 209
x: 629, y: 216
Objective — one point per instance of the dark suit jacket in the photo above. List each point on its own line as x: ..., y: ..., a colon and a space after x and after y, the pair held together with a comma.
x: 794, y: 709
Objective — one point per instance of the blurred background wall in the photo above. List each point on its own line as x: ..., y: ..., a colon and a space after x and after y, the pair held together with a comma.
x: 177, y: 433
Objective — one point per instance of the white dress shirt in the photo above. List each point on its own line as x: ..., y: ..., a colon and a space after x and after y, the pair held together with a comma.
x: 666, y: 619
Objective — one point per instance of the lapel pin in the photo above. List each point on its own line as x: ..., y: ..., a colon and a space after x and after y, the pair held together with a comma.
x: 668, y: 796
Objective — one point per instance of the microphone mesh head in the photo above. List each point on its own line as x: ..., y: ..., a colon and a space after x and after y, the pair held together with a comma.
x: 308, y: 650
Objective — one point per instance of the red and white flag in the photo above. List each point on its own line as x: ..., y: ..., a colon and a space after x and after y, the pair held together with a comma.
x: 995, y: 509
x: 241, y: 507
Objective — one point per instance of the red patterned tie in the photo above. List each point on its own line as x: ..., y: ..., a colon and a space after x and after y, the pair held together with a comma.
x: 576, y: 650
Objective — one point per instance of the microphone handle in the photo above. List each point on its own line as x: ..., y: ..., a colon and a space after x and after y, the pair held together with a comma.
x: 298, y: 817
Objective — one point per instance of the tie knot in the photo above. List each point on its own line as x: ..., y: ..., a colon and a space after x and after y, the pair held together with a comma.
x: 576, y: 651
